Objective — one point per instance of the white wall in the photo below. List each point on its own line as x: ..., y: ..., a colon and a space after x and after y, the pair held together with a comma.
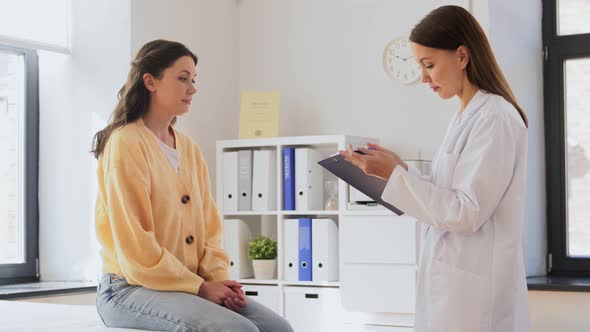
x: 325, y: 58
x: 72, y: 89
x: 209, y: 29
x: 515, y: 35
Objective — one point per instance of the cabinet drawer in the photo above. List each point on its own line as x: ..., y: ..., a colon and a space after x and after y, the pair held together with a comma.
x: 378, y: 239
x: 379, y: 288
x: 265, y: 295
x: 311, y: 309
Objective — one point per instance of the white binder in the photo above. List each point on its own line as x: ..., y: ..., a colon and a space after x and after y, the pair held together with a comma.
x: 264, y: 181
x: 230, y: 181
x: 236, y: 235
x: 324, y: 244
x: 309, y: 191
x: 245, y: 180
x: 291, y: 250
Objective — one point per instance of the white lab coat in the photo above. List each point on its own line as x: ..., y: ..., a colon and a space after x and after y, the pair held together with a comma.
x: 471, y: 273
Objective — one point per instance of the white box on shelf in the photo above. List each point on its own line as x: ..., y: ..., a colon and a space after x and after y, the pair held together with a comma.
x: 265, y: 295
x: 311, y: 309
x: 354, y: 195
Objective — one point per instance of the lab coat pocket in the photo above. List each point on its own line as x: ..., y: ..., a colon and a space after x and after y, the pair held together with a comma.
x: 445, y: 169
x: 458, y: 298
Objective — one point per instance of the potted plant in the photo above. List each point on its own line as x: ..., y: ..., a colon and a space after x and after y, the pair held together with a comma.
x: 262, y: 250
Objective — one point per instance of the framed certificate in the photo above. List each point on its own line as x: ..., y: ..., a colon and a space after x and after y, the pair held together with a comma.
x: 259, y: 114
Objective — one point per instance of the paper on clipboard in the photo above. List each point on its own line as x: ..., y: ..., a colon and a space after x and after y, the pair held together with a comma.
x: 369, y: 185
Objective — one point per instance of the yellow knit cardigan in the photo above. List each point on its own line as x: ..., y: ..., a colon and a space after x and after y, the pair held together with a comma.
x: 158, y: 228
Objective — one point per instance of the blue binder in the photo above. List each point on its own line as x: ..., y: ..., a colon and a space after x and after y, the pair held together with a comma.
x: 289, y: 179
x: 305, y: 250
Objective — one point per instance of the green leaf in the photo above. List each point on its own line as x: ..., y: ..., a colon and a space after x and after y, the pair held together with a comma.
x: 262, y: 247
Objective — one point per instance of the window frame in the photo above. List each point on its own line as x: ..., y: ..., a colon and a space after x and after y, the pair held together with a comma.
x: 557, y: 50
x: 28, y: 271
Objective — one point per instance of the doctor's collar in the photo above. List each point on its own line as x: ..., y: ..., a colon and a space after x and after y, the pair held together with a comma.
x: 474, y: 104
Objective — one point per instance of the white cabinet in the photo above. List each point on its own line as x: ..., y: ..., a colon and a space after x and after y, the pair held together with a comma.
x: 376, y: 250
x: 379, y: 287
x: 379, y: 256
x: 387, y: 239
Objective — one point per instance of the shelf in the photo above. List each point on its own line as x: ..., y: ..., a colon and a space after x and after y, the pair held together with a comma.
x: 249, y: 213
x: 368, y: 212
x: 252, y: 281
x: 312, y: 283
x: 360, y: 212
x: 304, y: 213
x: 293, y: 141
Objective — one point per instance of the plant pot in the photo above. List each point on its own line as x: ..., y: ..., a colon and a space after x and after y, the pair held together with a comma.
x: 264, y: 268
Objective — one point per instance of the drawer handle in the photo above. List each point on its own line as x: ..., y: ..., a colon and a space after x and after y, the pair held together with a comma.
x: 251, y: 293
x: 311, y: 296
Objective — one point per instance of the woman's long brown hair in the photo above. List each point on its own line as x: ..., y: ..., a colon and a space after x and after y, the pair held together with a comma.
x: 153, y: 58
x: 449, y: 27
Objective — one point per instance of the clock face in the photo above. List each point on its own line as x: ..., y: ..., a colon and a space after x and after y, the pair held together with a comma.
x: 399, y: 62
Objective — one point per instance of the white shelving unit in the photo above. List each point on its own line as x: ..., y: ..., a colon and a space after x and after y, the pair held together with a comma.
x: 271, y: 223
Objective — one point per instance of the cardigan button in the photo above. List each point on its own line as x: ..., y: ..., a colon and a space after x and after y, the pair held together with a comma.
x: 185, y: 199
x: 189, y: 239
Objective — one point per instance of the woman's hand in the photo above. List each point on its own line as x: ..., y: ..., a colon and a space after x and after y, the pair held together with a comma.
x: 228, y: 293
x: 235, y: 303
x: 376, y: 160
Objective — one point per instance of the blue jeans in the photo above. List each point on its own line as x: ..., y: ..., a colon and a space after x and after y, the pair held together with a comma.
x: 122, y: 305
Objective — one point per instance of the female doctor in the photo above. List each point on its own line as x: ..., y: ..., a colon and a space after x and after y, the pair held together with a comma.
x: 471, y: 274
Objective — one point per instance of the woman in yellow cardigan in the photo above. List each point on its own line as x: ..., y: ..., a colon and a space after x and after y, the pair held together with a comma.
x: 157, y: 223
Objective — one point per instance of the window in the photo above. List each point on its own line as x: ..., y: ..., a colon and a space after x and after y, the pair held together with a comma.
x: 18, y: 164
x: 38, y: 24
x: 566, y: 36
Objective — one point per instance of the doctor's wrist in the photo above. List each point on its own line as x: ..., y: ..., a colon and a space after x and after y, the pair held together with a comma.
x: 404, y: 165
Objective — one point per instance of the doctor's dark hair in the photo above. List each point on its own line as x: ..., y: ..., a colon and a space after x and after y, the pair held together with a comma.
x: 449, y: 27
x: 134, y: 98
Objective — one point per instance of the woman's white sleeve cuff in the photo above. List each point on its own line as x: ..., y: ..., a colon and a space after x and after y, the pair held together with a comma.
x: 392, y: 188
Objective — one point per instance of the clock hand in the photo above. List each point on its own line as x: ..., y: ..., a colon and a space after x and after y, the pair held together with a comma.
x: 402, y: 58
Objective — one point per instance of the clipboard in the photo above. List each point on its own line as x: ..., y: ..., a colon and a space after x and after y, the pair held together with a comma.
x: 369, y: 185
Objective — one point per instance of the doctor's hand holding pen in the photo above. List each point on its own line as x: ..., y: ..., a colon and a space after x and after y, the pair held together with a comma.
x: 374, y: 160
